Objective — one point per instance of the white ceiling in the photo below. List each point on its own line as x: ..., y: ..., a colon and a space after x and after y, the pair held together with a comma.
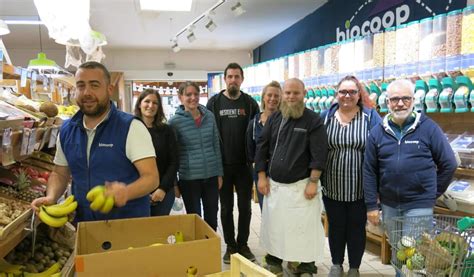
x: 128, y: 28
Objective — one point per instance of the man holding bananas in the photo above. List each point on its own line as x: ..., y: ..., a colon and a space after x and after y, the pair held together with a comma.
x: 101, y: 145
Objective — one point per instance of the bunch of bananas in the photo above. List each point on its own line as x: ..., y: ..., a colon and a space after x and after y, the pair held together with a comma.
x: 100, y: 202
x: 7, y: 269
x: 57, y: 215
x: 52, y: 270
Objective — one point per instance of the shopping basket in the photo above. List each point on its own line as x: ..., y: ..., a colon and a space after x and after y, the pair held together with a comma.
x: 431, y: 246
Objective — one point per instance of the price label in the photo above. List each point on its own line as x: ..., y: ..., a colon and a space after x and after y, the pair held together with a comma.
x: 25, y: 141
x: 24, y: 77
x: 53, y: 137
x: 31, y: 142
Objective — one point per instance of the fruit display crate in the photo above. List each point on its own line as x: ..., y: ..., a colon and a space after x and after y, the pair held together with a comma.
x: 240, y: 266
x: 19, y: 220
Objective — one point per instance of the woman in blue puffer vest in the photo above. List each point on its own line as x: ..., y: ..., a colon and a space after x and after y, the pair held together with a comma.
x: 200, y: 163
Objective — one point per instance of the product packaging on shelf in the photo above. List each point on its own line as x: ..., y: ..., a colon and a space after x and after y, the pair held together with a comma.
x: 124, y: 247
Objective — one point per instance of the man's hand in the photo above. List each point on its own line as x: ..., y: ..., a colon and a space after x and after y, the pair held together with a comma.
x: 220, y: 181
x: 158, y: 195
x: 311, y: 190
x: 119, y: 191
x: 263, y: 185
x: 46, y: 200
x: 373, y: 217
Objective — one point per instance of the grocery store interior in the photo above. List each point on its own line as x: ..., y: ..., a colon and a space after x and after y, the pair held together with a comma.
x: 160, y: 45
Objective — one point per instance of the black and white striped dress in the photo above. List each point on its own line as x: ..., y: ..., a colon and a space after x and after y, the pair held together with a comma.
x: 342, y: 179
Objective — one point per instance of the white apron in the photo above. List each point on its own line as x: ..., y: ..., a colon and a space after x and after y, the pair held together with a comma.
x: 291, y: 227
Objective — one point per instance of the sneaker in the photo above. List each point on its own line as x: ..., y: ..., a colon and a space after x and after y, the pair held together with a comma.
x: 229, y: 251
x: 276, y: 269
x: 336, y: 271
x: 245, y: 251
x: 353, y: 272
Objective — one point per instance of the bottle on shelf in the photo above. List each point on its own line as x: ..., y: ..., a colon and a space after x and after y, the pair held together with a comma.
x: 315, y: 102
x: 446, y: 96
x: 431, y: 99
x: 331, y: 97
x: 461, y: 96
x: 382, y: 101
x: 322, y: 100
x: 420, y: 93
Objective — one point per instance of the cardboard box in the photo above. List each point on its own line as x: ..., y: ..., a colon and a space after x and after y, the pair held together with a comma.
x: 201, y: 247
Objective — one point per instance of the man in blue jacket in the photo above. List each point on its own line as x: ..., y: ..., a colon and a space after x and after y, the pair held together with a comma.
x: 102, y: 145
x: 408, y: 160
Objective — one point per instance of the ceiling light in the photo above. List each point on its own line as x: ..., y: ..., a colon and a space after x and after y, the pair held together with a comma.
x: 237, y: 9
x: 175, y: 47
x: 42, y: 62
x: 211, y: 26
x: 191, y: 37
x: 162, y: 5
x: 4, y: 28
x: 24, y: 22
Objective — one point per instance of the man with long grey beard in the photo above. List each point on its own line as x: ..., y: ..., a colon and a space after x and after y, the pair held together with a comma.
x: 293, y: 150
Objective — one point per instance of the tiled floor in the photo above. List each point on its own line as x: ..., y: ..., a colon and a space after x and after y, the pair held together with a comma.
x: 371, y: 264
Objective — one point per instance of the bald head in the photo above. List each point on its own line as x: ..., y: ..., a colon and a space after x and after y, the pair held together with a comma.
x: 401, y: 85
x: 296, y: 81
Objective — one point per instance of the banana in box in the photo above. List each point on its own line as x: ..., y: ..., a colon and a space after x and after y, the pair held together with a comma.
x: 152, y: 246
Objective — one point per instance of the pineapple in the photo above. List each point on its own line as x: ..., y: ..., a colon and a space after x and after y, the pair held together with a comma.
x: 23, y: 185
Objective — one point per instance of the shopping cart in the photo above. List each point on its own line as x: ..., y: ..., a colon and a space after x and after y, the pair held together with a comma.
x: 432, y: 246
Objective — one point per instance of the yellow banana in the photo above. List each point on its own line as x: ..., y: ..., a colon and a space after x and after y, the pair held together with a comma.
x: 56, y: 274
x: 6, y: 267
x: 191, y: 271
x: 179, y: 236
x: 108, y: 205
x: 60, y: 210
x: 67, y: 201
x: 156, y: 244
x: 55, y: 222
x: 98, y: 202
x: 92, y: 194
x: 48, y: 272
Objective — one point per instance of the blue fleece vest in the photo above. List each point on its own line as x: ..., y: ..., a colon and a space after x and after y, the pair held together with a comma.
x: 107, y: 162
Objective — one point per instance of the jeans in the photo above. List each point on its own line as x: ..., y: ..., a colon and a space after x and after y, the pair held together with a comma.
x: 207, y: 190
x: 163, y: 207
x: 346, y: 227
x: 411, y: 227
x: 239, y: 176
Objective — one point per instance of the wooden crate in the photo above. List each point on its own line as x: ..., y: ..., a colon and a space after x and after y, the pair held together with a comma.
x: 240, y: 266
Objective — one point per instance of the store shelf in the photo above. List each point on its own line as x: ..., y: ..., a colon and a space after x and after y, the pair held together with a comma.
x: 13, y: 239
x: 465, y: 172
x: 446, y: 211
x: 385, y: 249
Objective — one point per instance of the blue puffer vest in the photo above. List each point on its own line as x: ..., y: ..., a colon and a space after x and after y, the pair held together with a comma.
x: 107, y: 162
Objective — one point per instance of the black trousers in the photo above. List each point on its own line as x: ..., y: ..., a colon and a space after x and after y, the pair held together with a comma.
x: 207, y: 190
x: 346, y: 227
x: 239, y: 176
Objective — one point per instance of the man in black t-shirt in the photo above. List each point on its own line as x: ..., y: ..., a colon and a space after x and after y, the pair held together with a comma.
x: 233, y: 109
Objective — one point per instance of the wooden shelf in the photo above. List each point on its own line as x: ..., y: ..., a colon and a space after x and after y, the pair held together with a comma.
x: 467, y: 172
x: 446, y: 211
x: 385, y: 249
x: 13, y: 239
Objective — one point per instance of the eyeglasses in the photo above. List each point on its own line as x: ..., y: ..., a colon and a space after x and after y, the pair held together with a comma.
x: 351, y: 92
x: 405, y: 99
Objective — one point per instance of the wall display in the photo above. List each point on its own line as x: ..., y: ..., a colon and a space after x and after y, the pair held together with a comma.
x: 343, y: 20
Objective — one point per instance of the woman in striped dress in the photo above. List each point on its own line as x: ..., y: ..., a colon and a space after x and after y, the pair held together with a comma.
x: 347, y: 124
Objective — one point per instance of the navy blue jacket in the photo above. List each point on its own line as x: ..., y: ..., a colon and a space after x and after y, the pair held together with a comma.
x: 199, y: 147
x: 254, y: 129
x: 407, y: 173
x: 107, y: 162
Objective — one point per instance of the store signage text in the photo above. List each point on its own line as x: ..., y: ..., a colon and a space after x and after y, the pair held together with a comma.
x: 378, y: 23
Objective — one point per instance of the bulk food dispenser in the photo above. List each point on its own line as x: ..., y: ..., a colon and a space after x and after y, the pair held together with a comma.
x: 461, y: 96
x: 420, y: 93
x: 446, y: 96
x: 382, y: 101
x: 322, y: 101
x: 431, y: 99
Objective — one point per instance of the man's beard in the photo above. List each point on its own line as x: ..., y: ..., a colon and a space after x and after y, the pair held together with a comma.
x: 292, y: 111
x: 233, y: 91
x: 98, y: 110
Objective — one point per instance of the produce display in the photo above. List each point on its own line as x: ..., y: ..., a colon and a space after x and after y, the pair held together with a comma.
x: 10, y: 210
x: 49, y: 257
x: 20, y: 185
x: 439, y: 255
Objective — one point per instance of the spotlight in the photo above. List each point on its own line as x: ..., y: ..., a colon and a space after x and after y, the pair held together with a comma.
x: 237, y: 9
x: 191, y: 37
x: 211, y: 26
x: 175, y: 47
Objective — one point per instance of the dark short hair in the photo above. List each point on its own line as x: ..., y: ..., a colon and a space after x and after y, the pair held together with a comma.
x: 234, y: 66
x: 186, y: 84
x: 94, y: 65
x: 160, y: 117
